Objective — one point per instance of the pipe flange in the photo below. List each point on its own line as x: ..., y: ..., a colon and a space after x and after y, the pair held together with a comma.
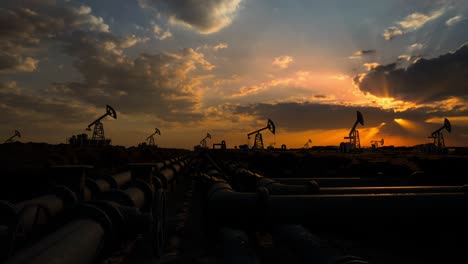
x: 118, y: 196
x: 114, y: 214
x: 100, y: 216
x: 9, y: 219
x: 314, y: 186
x: 157, y: 183
x: 148, y: 192
x: 111, y: 180
x: 68, y: 196
x: 262, y: 204
x: 158, y: 227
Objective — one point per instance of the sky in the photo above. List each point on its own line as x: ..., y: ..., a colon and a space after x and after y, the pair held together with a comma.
x: 225, y: 67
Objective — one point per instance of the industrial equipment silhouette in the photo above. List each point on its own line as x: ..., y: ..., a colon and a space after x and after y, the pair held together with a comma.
x: 222, y: 145
x: 306, y: 145
x: 375, y: 143
x: 353, y: 136
x: 10, y: 140
x: 98, y: 131
x: 203, y: 141
x: 150, y: 139
x: 258, y: 144
x: 438, y: 137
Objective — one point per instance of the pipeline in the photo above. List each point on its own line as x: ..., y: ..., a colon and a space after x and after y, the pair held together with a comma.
x: 237, y: 249
x: 248, y: 181
x: 394, y: 189
x: 308, y: 247
x: 108, y: 182
x: 27, y: 219
x: 83, y: 239
x: 225, y: 205
x: 331, y: 181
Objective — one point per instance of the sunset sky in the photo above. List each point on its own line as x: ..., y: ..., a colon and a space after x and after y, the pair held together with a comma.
x: 224, y: 67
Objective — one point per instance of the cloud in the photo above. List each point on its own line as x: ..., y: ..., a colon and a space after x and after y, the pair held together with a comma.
x: 25, y: 25
x: 15, y: 63
x: 411, y: 22
x: 167, y: 85
x: 425, y: 80
x: 358, y: 54
x: 205, y: 16
x: 371, y: 65
x: 132, y: 40
x: 220, y: 46
x: 282, y: 61
x: 294, y: 116
x: 454, y: 20
x: 416, y: 47
x: 334, y: 121
x: 159, y: 33
x: 392, y: 32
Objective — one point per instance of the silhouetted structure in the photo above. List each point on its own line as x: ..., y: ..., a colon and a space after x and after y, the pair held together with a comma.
x: 203, y: 141
x: 150, y: 139
x: 375, y: 143
x: 17, y: 134
x: 222, y: 145
x: 98, y: 131
x: 306, y: 145
x: 438, y: 137
x: 258, y: 144
x: 353, y: 136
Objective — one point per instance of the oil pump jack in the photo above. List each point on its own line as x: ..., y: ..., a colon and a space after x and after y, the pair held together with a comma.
x: 306, y: 145
x: 375, y: 143
x: 353, y: 136
x: 258, y: 144
x: 438, y: 137
x: 98, y: 131
x: 10, y: 140
x: 150, y: 139
x: 203, y: 141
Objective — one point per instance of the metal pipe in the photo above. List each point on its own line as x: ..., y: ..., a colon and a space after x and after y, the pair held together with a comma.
x: 75, y: 243
x: 121, y: 179
x: 139, y: 195
x: 393, y: 189
x: 331, y: 181
x: 276, y: 188
x: 246, y: 180
x: 40, y: 210
x: 307, y: 247
x: 229, y: 206
x: 98, y: 226
x: 236, y: 247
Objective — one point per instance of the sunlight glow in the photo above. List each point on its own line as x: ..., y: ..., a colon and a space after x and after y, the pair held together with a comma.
x: 409, y: 126
x: 453, y: 119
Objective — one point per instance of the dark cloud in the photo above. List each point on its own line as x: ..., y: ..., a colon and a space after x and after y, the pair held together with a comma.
x: 364, y: 52
x: 298, y: 117
x: 162, y: 84
x: 26, y: 25
x: 423, y: 81
x: 207, y: 16
x: 306, y: 116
